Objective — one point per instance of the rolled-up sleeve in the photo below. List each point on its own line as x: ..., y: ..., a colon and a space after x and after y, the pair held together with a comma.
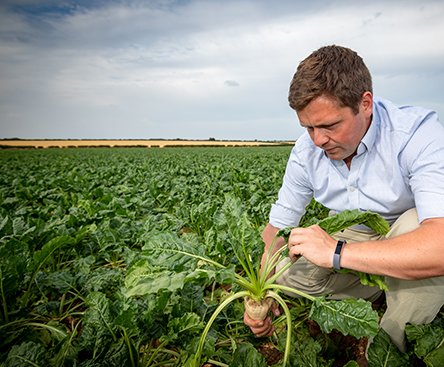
x: 425, y: 157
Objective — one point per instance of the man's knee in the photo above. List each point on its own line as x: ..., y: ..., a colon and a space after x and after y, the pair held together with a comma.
x: 407, y: 222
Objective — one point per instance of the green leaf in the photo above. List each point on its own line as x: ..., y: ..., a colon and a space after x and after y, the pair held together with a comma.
x: 6, y: 226
x: 83, y: 264
x: 372, y: 280
x: 79, y: 235
x: 63, y: 281
x: 26, y: 354
x: 349, y: 316
x: 141, y: 281
x: 208, y: 346
x: 126, y: 320
x: 13, y: 262
x: 47, y: 307
x: 428, y: 341
x: 116, y: 355
x: 383, y: 352
x: 247, y: 355
x: 44, y: 256
x: 184, y: 326
x: 348, y: 218
x: 193, y: 300
x: 65, y: 352
x: 168, y: 250
x: 244, y: 238
x: 88, y: 206
x: 105, y: 280
x: 99, y: 314
x: 305, y: 351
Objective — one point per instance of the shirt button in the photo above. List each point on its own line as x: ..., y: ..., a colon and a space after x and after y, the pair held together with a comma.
x: 352, y: 189
x: 340, y: 164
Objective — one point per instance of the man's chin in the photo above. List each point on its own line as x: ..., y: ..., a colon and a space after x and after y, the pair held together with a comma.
x: 334, y: 155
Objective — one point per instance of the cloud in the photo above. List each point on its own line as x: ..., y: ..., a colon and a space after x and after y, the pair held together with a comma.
x: 71, y: 68
x: 231, y: 83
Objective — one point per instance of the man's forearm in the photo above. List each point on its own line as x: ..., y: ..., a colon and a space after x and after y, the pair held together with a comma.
x: 415, y: 255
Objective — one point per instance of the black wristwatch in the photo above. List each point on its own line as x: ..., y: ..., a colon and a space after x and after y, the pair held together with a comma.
x: 337, y: 255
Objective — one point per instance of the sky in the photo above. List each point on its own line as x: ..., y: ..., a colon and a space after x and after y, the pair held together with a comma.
x: 199, y: 69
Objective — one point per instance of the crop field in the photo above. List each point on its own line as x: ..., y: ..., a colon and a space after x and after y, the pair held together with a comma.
x: 138, y: 257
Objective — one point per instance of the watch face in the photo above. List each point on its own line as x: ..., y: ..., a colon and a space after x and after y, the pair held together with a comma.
x: 339, y: 246
x: 337, y: 255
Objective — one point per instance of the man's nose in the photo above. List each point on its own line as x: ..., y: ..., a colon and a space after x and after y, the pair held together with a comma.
x: 319, y: 137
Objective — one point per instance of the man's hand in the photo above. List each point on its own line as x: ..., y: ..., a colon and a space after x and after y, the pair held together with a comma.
x: 262, y: 327
x: 316, y: 245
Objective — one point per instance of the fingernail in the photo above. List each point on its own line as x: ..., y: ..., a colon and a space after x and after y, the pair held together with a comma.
x: 260, y: 324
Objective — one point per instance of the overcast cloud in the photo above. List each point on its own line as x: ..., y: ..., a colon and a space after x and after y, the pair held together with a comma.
x: 198, y: 69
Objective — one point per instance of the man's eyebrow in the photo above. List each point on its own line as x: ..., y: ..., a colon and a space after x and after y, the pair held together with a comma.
x: 327, y: 124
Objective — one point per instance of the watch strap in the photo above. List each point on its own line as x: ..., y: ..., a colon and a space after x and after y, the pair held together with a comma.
x: 337, y: 255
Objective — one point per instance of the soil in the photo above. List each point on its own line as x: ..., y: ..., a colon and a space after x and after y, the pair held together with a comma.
x: 271, y: 354
x: 356, y: 347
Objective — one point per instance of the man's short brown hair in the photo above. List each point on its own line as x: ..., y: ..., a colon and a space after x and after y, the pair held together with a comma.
x: 333, y: 71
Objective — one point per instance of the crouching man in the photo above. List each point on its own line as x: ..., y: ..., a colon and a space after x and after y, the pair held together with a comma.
x: 362, y: 152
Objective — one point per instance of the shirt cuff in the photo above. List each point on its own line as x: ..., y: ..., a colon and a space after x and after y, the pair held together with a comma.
x: 281, y: 217
x: 429, y: 205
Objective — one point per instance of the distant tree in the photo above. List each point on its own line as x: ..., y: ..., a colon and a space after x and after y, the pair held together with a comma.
x: 211, y: 139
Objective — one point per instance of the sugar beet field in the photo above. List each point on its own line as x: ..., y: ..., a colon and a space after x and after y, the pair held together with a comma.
x: 141, y: 257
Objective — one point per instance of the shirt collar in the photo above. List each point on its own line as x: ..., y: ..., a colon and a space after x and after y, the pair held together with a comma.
x: 370, y: 136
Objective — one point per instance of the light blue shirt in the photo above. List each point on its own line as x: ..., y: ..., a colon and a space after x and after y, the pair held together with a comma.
x: 399, y: 165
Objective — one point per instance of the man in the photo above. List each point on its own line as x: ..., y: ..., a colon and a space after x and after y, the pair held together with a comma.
x: 364, y: 153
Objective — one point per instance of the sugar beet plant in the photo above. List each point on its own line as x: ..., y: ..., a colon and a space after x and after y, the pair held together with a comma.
x: 257, y: 288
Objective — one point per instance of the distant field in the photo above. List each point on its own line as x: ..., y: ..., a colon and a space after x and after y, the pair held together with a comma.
x: 129, y: 143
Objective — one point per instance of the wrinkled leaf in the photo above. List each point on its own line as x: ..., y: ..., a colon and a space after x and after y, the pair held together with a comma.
x: 168, y: 250
x: 140, y: 282
x: 383, y: 352
x: 247, y: 355
x: 348, y: 218
x: 99, y: 314
x: 65, y: 352
x: 13, y: 262
x: 47, y: 307
x: 26, y: 354
x: 349, y: 316
x: 244, y: 238
x: 304, y: 351
x: 428, y: 341
x: 184, y: 326
x: 44, y: 256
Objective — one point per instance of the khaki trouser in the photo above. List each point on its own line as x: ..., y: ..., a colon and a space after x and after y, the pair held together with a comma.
x: 414, y: 301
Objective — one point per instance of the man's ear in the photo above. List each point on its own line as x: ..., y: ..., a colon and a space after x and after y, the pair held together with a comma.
x: 367, y: 104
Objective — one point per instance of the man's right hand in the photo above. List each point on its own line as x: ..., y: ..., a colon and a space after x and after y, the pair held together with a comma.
x: 262, y: 327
